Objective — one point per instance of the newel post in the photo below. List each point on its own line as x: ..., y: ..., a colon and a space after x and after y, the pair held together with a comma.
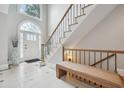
x: 62, y: 53
x: 42, y: 52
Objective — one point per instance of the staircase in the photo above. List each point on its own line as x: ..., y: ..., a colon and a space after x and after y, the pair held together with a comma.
x: 77, y: 22
x: 60, y: 33
x: 68, y: 28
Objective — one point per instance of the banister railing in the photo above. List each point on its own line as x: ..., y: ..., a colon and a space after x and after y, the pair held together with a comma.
x: 59, y: 23
x: 69, y: 18
x: 103, y: 59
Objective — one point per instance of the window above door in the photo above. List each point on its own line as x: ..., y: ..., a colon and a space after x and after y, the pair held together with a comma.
x: 30, y: 9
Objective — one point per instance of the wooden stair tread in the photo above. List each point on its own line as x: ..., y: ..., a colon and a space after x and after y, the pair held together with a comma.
x: 99, y: 74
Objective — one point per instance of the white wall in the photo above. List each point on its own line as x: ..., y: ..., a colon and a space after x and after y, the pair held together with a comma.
x: 4, y: 8
x: 44, y: 19
x: 3, y: 40
x: 108, y: 34
x: 55, y: 13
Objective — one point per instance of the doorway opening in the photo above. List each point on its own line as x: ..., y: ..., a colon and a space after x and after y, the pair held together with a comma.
x: 29, y: 41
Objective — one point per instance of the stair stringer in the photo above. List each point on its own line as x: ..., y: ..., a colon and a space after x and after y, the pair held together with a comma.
x: 88, y: 23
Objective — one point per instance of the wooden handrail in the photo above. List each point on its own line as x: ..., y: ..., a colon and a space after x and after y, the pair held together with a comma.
x: 96, y: 50
x: 87, y: 6
x: 103, y: 59
x: 59, y: 22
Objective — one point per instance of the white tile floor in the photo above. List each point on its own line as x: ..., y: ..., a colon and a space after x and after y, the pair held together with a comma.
x: 32, y: 76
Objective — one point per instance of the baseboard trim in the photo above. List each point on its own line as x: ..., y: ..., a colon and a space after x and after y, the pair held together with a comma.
x: 3, y: 67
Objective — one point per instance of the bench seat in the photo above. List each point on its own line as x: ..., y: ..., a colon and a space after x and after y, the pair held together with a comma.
x: 104, y: 78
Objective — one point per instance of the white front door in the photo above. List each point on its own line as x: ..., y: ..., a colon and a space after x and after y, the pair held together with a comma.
x: 29, y: 45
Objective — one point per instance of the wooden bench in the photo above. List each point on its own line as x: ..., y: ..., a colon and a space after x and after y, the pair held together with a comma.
x: 95, y: 75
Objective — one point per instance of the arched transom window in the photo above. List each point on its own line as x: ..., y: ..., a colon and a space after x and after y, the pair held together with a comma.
x: 30, y: 27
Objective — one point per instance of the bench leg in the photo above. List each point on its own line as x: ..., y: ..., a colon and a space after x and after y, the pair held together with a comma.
x: 60, y: 72
x: 69, y: 75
